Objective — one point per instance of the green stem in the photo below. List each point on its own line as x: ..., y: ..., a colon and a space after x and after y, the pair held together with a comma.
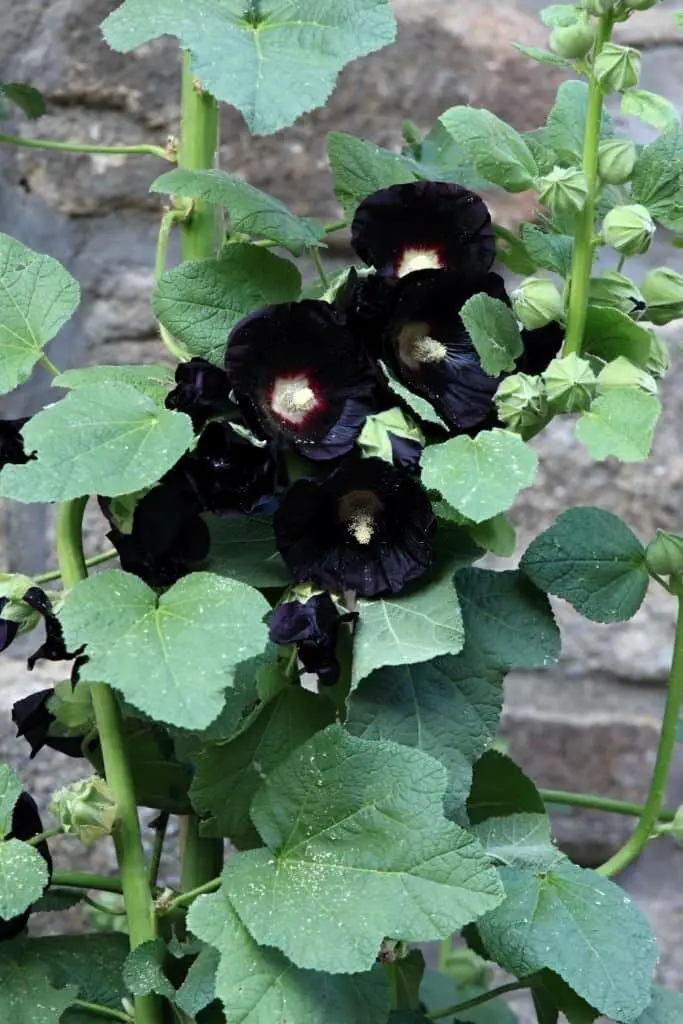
x: 102, y: 908
x: 337, y: 225
x: 169, y: 218
x: 202, y: 859
x: 197, y: 152
x: 127, y: 838
x: 84, y: 147
x: 599, y: 803
x: 55, y: 574
x: 582, y: 259
x: 48, y: 365
x: 660, y: 776
x: 158, y: 848
x: 318, y: 264
x: 485, y: 997
x: 49, y: 833
x: 191, y: 895
x: 101, y: 1011
x: 78, y: 880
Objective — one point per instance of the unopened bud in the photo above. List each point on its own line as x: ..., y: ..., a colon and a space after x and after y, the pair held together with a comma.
x: 640, y: 5
x: 663, y: 292
x: 617, y: 292
x: 616, y: 160
x: 564, y: 190
x: 622, y: 373
x: 658, y: 361
x: 664, y: 554
x: 13, y: 586
x: 572, y: 41
x: 86, y: 808
x: 521, y: 403
x: 570, y: 384
x: 617, y: 68
x: 629, y: 229
x: 537, y: 302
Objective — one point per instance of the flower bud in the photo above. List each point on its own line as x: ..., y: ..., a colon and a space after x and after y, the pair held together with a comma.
x: 616, y: 160
x: 572, y: 41
x: 569, y: 383
x: 664, y: 554
x: 87, y: 808
x: 658, y: 361
x: 617, y: 68
x: 564, y: 190
x: 13, y: 586
x: 617, y: 292
x: 537, y: 302
x: 522, y: 403
x: 639, y: 5
x: 622, y: 373
x: 598, y: 7
x: 663, y: 292
x: 629, y: 229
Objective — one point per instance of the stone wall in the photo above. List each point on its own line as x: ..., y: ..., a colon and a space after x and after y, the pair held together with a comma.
x: 590, y: 723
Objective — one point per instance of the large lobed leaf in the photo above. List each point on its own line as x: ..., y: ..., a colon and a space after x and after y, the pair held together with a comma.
x: 620, y: 423
x: 272, y: 59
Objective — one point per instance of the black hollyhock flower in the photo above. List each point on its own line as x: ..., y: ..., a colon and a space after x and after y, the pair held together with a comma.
x: 368, y: 527
x: 540, y: 348
x: 26, y: 824
x: 12, y: 443
x: 303, y: 376
x: 202, y: 392
x: 8, y: 630
x: 366, y: 304
x: 33, y: 719
x: 428, y: 349
x: 53, y: 647
x: 313, y: 626
x: 425, y: 225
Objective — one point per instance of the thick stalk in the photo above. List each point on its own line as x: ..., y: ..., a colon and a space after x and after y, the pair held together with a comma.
x: 643, y: 831
x: 78, y: 880
x: 127, y: 838
x: 582, y: 259
x: 85, y: 147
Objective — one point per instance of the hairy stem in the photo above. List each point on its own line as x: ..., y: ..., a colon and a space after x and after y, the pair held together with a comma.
x: 169, y: 218
x: 660, y: 775
x: 55, y: 574
x: 78, y: 880
x: 318, y: 264
x: 127, y: 838
x: 599, y: 803
x: 185, y: 898
x: 101, y: 1011
x: 85, y: 147
x: 49, y: 833
x: 485, y: 997
x: 582, y: 259
x: 197, y: 152
x: 48, y: 365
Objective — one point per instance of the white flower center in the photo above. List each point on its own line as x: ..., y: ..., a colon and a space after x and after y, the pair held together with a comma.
x: 292, y: 399
x: 362, y: 527
x: 358, y: 511
x: 418, y: 259
x: 415, y: 346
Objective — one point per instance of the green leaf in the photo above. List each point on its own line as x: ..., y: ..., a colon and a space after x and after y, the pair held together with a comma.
x: 362, y: 851
x: 37, y: 297
x: 591, y: 559
x: 552, y: 252
x: 553, y: 994
x: 580, y: 925
x: 198, y: 990
x: 92, y: 962
x: 496, y: 535
x: 559, y: 15
x: 651, y: 108
x: 497, y: 151
x: 200, y: 301
x: 438, y: 157
x: 23, y: 876
x: 405, y: 974
x: 519, y: 841
x: 170, y: 656
x: 422, y: 409
x: 566, y: 123
x: 620, y: 423
x: 480, y: 476
x: 440, y: 990
x: 360, y: 168
x: 152, y: 379
x: 510, y: 251
x: 666, y: 1007
x: 57, y: 900
x: 258, y: 985
x: 244, y: 549
x: 10, y: 791
x: 494, y: 332
x: 251, y: 211
x: 26, y: 97
x: 240, y: 766
x: 500, y: 788
x: 657, y: 175
x: 507, y: 619
x: 26, y: 996
x: 102, y: 439
x: 609, y: 333
x: 445, y: 707
x: 417, y: 625
x: 542, y: 56
x: 273, y: 60
x: 143, y: 971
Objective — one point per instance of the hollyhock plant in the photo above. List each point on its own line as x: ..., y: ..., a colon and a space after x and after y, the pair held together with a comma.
x: 202, y: 392
x: 313, y: 625
x: 26, y: 824
x: 367, y: 527
x: 302, y: 376
x: 33, y: 719
x: 53, y: 647
x: 12, y: 443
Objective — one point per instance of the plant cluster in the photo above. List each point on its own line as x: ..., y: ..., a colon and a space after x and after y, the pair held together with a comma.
x: 298, y: 652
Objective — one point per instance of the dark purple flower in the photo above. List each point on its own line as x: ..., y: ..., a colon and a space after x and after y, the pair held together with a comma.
x: 53, y: 647
x: 367, y: 527
x: 312, y: 625
x: 540, y: 348
x: 26, y: 824
x: 12, y: 443
x: 428, y: 349
x: 202, y: 392
x: 8, y: 630
x: 305, y: 378
x: 366, y: 303
x: 33, y: 720
x: 425, y: 225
